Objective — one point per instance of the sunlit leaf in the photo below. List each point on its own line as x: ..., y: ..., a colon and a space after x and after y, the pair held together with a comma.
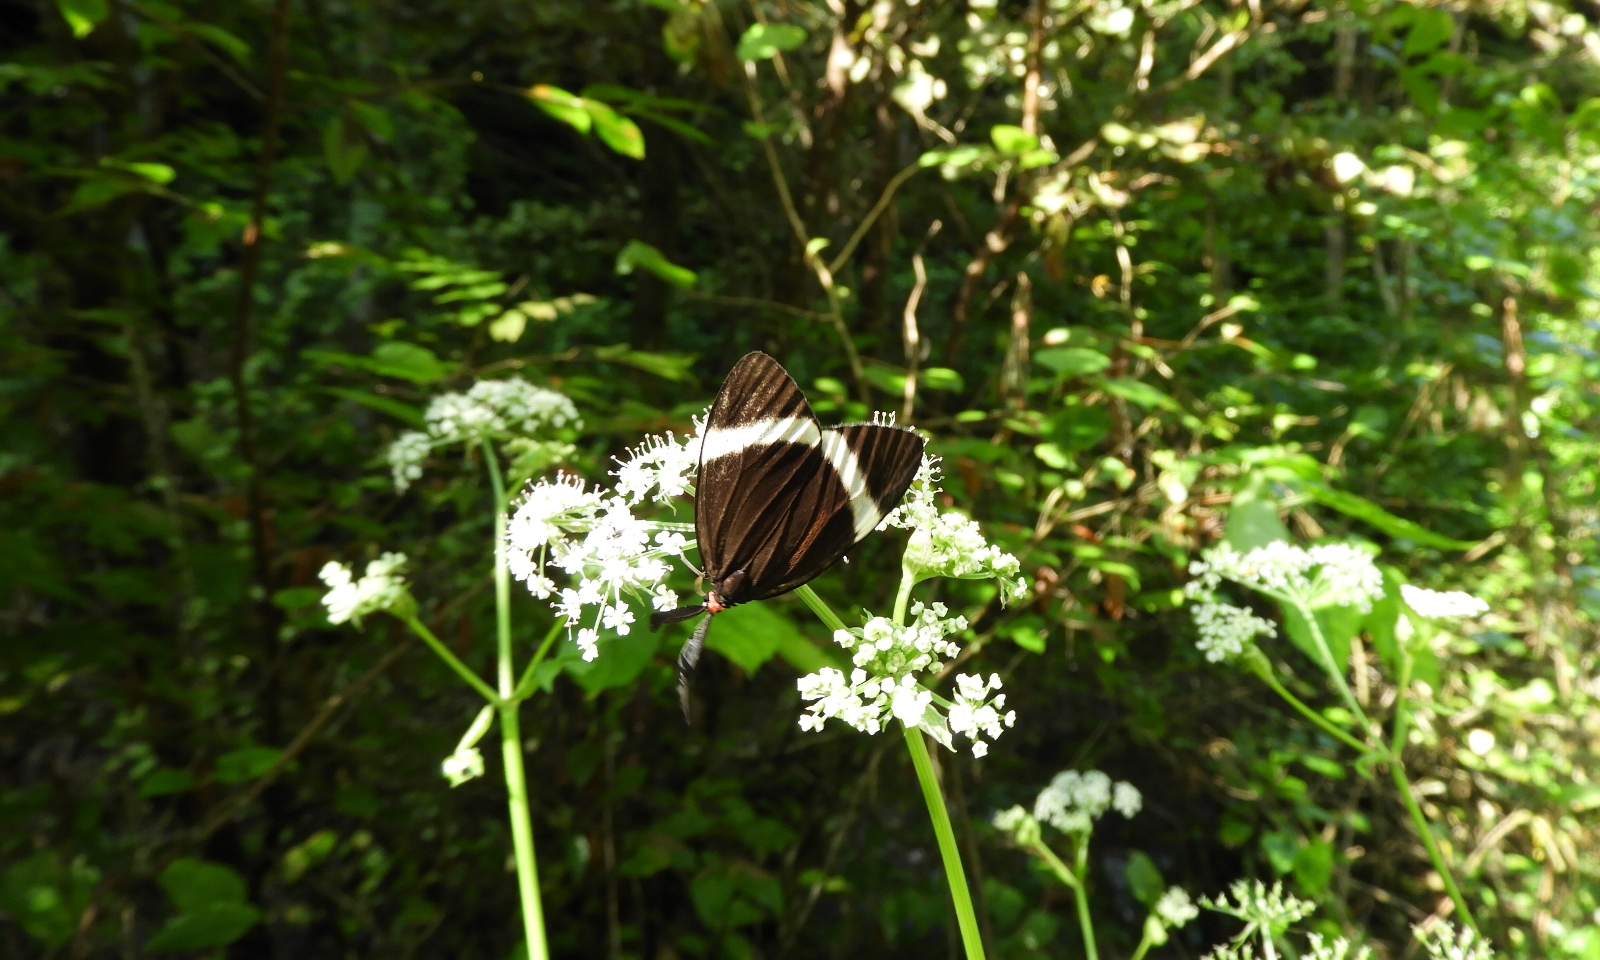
x: 763, y: 40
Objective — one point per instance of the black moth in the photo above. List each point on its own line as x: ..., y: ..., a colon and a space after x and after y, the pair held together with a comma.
x: 780, y: 498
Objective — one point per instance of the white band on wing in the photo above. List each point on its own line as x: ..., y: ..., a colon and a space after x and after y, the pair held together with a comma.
x: 864, y: 513
x: 722, y: 441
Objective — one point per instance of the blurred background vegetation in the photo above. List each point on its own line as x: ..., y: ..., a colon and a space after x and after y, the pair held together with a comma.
x: 1158, y: 272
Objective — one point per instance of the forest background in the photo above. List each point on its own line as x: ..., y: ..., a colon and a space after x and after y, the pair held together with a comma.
x: 1149, y: 275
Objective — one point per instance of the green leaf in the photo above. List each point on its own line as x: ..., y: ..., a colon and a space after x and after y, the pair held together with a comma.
x: 373, y: 119
x: 1313, y: 868
x: 157, y: 173
x: 1140, y: 393
x: 1430, y: 28
x: 941, y: 378
x: 195, y: 884
x: 648, y: 258
x: 1144, y: 878
x: 230, y: 44
x: 1253, y: 519
x: 750, y: 634
x: 344, y: 146
x: 569, y: 108
x: 246, y: 763
x: 165, y: 780
x: 46, y: 897
x: 394, y: 408
x: 1368, y: 512
x: 1013, y: 140
x: 621, y: 660
x: 763, y: 40
x: 674, y: 367
x: 1338, y: 626
x: 83, y: 15
x: 206, y: 929
x: 1282, y: 849
x: 616, y: 131
x: 307, y: 854
x: 1072, y: 361
x: 408, y: 361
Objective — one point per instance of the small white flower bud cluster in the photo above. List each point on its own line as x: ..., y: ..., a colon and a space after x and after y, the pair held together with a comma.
x: 1336, y: 949
x: 950, y: 544
x: 467, y: 762
x: 1020, y: 825
x: 1259, y: 907
x: 887, y: 657
x: 382, y: 588
x: 1226, y: 631
x: 1329, y: 574
x: 491, y: 408
x: 1175, y: 909
x: 1443, y: 941
x: 1439, y: 605
x: 887, y: 649
x: 1074, y: 801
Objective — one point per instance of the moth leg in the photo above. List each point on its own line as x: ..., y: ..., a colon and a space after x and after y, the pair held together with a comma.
x: 690, y: 656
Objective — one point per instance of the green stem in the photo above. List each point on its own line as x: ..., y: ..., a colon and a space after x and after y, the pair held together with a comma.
x: 462, y: 670
x: 822, y: 610
x: 1333, y: 669
x: 1145, y: 943
x: 902, y: 599
x: 1402, y: 783
x: 524, y: 688
x: 1262, y: 667
x: 511, y: 727
x: 954, y: 874
x: 1080, y: 893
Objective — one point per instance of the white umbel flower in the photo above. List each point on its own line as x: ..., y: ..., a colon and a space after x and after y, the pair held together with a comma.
x: 1074, y: 801
x: 1435, y: 604
x: 496, y: 409
x: 1261, y: 908
x: 949, y: 544
x: 1226, y: 630
x: 382, y: 588
x: 1175, y: 909
x: 1336, y: 949
x: 1443, y: 941
x: 1334, y: 574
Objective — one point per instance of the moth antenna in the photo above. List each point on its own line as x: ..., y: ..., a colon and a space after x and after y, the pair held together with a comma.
x: 690, y: 656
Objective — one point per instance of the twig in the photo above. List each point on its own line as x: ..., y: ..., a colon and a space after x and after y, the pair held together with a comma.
x: 225, y: 810
x: 872, y: 217
x: 913, y: 337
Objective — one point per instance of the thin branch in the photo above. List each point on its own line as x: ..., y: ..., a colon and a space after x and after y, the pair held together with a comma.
x: 757, y: 303
x: 226, y: 810
x: 871, y: 218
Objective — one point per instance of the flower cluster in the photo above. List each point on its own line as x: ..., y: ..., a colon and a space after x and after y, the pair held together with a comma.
x: 1226, y: 631
x: 950, y: 544
x: 663, y: 464
x: 383, y: 588
x: 1074, y: 801
x: 889, y: 650
x: 491, y: 408
x: 887, y: 658
x: 1263, y: 910
x: 605, y: 550
x: 1443, y: 942
x: 1437, y: 605
x: 1175, y: 909
x: 1331, y: 574
x: 1336, y: 949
